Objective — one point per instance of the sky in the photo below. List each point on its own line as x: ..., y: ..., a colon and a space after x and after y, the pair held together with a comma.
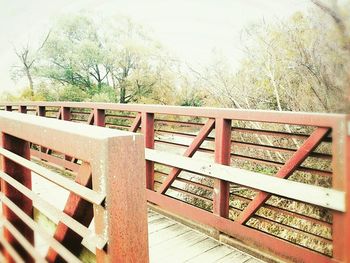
x: 189, y: 29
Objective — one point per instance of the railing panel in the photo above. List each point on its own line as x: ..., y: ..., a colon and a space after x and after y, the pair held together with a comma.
x: 308, y: 150
x: 97, y: 191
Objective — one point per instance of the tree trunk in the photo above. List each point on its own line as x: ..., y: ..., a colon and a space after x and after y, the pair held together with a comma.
x: 122, y: 98
x: 30, y: 80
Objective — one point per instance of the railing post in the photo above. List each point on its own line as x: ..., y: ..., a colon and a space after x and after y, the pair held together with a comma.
x: 41, y: 111
x: 222, y: 156
x: 126, y: 202
x: 341, y: 181
x: 99, y: 117
x: 147, y: 129
x: 22, y: 109
x: 66, y: 114
x: 22, y: 175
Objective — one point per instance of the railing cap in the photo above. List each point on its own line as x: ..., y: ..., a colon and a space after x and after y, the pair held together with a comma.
x: 11, y: 119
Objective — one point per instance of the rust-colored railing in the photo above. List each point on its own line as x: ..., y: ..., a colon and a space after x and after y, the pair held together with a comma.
x: 101, y: 207
x: 228, y: 169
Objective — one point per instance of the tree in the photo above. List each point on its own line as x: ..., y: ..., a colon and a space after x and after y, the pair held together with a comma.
x: 72, y: 56
x: 94, y: 55
x: 27, y: 59
x: 300, y: 64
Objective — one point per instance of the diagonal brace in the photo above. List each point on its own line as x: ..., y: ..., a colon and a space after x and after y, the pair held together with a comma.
x: 79, y: 209
x: 136, y: 124
x: 285, y: 171
x: 196, y: 143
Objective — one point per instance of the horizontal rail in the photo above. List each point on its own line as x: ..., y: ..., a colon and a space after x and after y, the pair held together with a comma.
x: 87, y: 194
x: 23, y: 241
x: 296, y: 118
x: 320, y: 196
x: 11, y: 250
x: 64, y: 252
x: 53, y: 213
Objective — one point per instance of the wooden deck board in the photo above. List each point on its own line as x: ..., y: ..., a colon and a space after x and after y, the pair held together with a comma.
x: 212, y: 255
x: 170, y: 241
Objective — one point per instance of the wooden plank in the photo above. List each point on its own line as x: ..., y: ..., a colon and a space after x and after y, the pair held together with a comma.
x: 212, y: 255
x: 166, y: 234
x: 249, y: 236
x: 253, y: 260
x: 160, y: 252
x: 235, y: 256
x: 192, y: 251
x: 153, y: 217
x: 325, y: 197
x: 159, y: 225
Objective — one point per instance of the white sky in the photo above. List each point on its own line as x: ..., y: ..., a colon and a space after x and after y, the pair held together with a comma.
x: 190, y: 29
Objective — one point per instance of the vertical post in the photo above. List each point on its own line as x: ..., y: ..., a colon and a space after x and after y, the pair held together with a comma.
x: 8, y: 108
x: 99, y: 117
x: 341, y: 181
x: 126, y: 201
x: 147, y: 129
x: 66, y: 114
x: 22, y: 175
x: 41, y: 111
x: 22, y: 109
x: 222, y: 156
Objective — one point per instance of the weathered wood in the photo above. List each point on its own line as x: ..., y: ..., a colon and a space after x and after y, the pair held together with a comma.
x: 178, y: 243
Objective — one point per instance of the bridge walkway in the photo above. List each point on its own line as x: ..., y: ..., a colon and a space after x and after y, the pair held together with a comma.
x: 170, y: 241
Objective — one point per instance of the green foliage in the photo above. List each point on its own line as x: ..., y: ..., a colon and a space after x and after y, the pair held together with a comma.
x: 106, y: 94
x: 109, y: 60
x: 72, y: 93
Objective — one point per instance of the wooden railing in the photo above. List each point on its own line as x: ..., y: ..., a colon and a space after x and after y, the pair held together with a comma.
x: 276, y: 181
x: 100, y: 193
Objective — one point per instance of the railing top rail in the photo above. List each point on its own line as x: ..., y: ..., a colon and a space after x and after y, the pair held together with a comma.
x: 78, y: 139
x: 298, y: 118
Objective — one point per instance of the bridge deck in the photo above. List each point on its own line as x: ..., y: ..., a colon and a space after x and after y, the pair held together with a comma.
x: 170, y: 241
